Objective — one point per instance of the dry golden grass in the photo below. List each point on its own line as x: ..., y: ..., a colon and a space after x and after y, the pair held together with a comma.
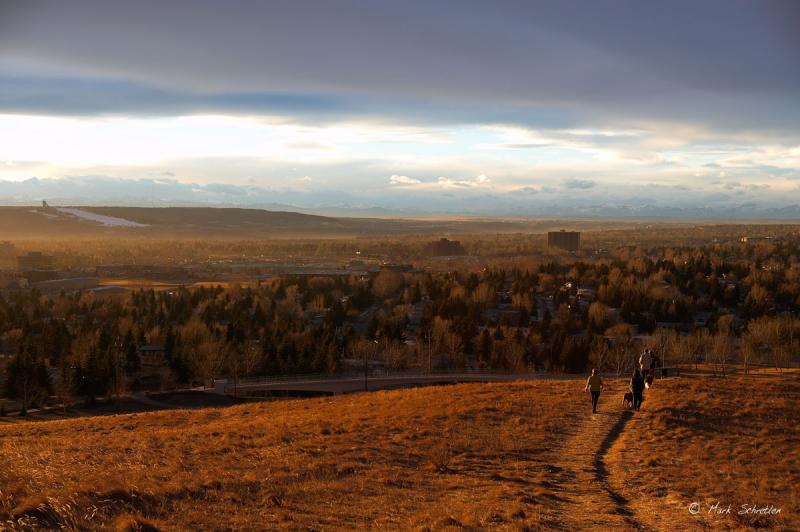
x: 138, y: 284
x: 439, y: 457
x: 160, y: 286
x: 734, y: 440
x: 242, y: 283
x: 511, y: 456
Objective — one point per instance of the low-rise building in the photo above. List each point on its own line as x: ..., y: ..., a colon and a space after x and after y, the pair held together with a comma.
x: 151, y: 357
x: 35, y: 260
x: 7, y: 249
x: 567, y: 240
x: 444, y: 247
x: 701, y: 319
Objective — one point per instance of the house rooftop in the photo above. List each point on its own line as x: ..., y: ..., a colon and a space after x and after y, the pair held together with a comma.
x: 151, y: 347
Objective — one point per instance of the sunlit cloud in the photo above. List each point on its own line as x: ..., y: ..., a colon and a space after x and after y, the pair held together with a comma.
x: 480, y: 181
x: 402, y: 180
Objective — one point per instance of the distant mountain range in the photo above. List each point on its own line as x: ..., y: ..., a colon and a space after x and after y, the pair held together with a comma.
x: 167, y: 192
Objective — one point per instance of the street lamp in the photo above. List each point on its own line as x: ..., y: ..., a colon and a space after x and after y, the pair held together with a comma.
x: 365, y: 363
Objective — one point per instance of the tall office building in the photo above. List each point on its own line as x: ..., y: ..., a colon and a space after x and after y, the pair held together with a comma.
x: 569, y: 240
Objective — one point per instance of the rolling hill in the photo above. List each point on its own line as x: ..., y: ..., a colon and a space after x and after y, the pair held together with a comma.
x: 202, y: 222
x: 511, y: 456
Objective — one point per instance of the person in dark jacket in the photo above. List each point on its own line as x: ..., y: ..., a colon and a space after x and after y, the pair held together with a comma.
x: 594, y: 385
x: 637, y: 389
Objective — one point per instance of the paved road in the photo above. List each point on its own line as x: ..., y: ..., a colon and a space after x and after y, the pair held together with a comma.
x: 356, y: 384
x: 145, y: 399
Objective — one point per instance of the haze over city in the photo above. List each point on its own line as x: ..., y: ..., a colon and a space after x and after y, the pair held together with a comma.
x: 679, y: 109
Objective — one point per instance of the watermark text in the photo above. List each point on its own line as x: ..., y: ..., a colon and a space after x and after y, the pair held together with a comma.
x: 719, y: 508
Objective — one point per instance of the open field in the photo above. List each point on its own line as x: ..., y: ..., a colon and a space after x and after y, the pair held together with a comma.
x: 470, y: 454
x: 152, y: 284
x: 732, y: 441
x: 505, y: 456
x: 52, y: 412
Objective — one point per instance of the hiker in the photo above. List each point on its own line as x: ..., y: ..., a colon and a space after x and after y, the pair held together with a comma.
x: 645, y: 362
x: 637, y: 389
x: 594, y: 385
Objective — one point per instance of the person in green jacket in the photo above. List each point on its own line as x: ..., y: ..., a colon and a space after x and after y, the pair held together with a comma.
x: 594, y: 385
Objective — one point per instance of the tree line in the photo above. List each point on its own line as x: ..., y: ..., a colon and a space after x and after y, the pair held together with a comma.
x: 554, y: 315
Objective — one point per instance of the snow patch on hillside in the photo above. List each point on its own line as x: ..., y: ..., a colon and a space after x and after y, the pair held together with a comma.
x: 106, y: 221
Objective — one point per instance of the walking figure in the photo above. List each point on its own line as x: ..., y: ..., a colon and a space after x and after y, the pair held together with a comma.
x: 637, y: 389
x: 646, y: 362
x: 595, y: 386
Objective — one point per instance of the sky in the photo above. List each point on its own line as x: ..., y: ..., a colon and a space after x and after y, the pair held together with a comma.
x: 673, y: 108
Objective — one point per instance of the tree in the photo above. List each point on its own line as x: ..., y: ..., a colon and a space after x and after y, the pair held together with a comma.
x: 514, y: 357
x: 454, y: 346
x: 688, y: 349
x: 574, y: 354
x: 251, y: 358
x: 784, y: 341
x: 387, y: 283
x: 91, y: 377
x: 116, y: 370
x: 484, y: 347
x: 131, y: 353
x: 622, y: 356
x: 27, y: 379
x: 65, y: 386
x: 209, y: 359
x: 425, y: 347
x: 483, y: 294
x: 757, y: 300
x: 663, y: 342
x: 755, y: 341
x: 720, y: 351
x: 600, y: 353
x: 598, y: 317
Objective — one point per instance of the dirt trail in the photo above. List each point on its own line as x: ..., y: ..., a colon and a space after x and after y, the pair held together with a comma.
x: 660, y: 510
x: 592, y: 477
x: 585, y: 498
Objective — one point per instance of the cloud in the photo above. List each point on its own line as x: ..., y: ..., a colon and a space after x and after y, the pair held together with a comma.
x: 441, y: 182
x: 310, y: 145
x: 402, y: 180
x: 480, y: 181
x: 579, y: 183
x: 609, y: 62
x: 524, y: 145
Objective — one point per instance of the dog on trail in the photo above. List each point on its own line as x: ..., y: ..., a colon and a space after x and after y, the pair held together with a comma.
x: 627, y: 400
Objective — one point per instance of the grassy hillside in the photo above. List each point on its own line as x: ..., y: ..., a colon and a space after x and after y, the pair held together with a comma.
x: 510, y: 456
x: 732, y: 441
x: 467, y: 454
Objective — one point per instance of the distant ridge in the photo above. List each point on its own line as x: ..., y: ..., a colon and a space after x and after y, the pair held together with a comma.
x: 90, y: 191
x: 226, y: 222
x: 22, y: 222
x: 248, y: 223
